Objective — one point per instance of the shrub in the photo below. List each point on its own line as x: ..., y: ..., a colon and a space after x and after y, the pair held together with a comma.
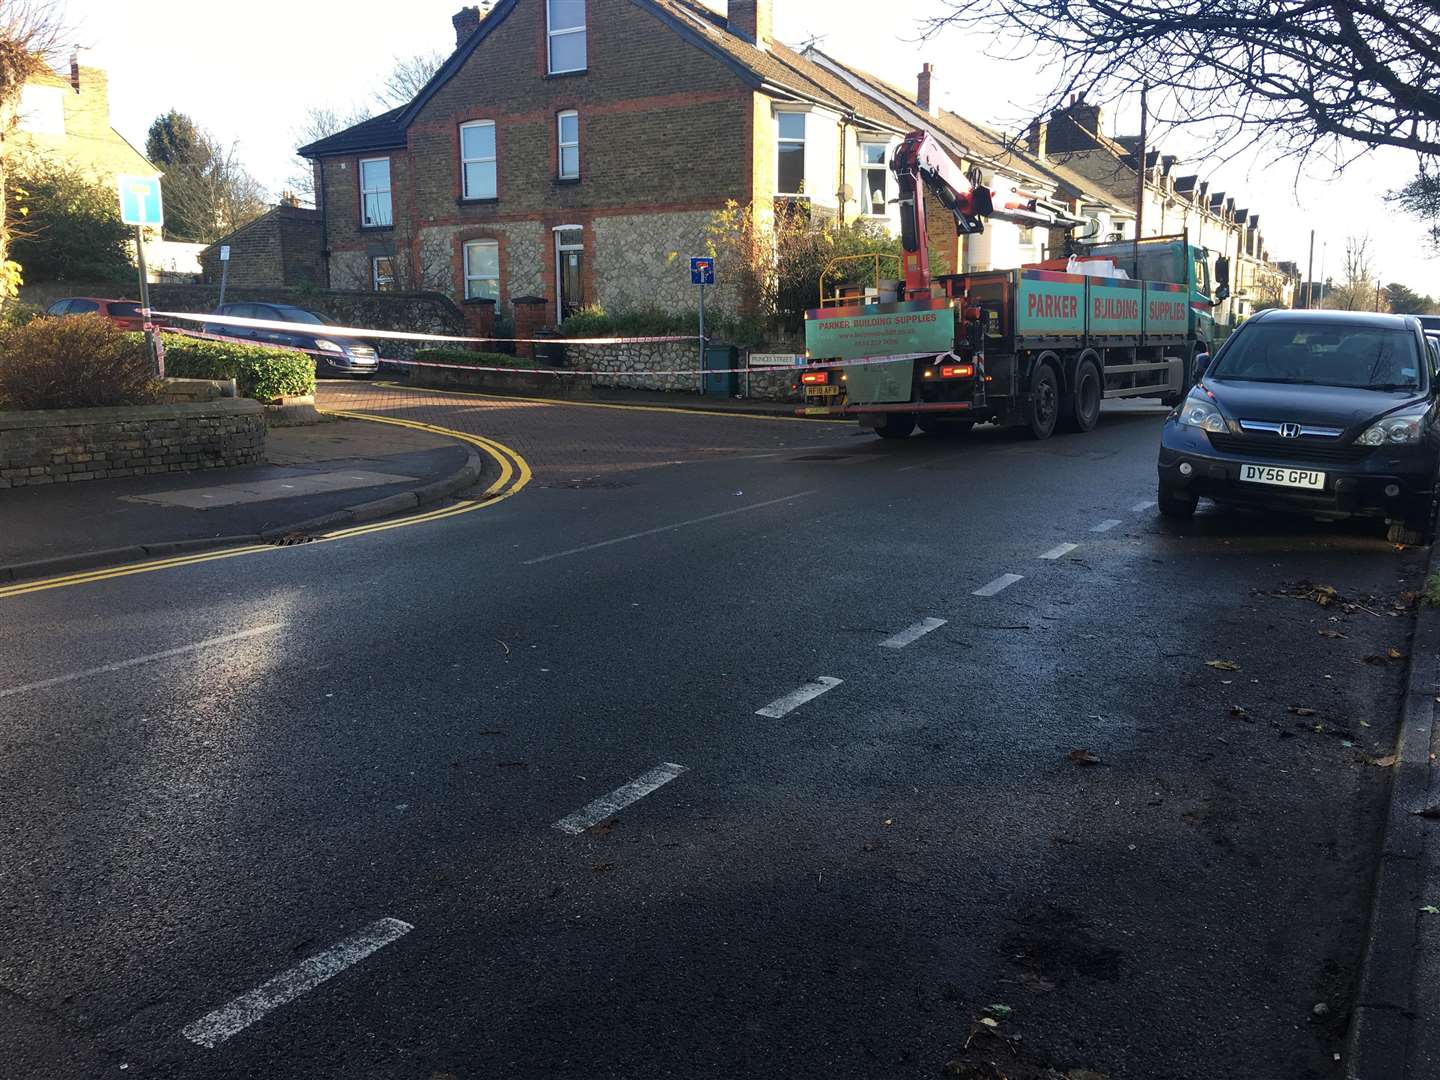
x: 67, y: 224
x: 478, y: 359
x: 78, y: 362
x: 18, y: 313
x: 259, y: 372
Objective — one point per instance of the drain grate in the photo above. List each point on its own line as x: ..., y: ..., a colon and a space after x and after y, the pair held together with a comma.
x: 291, y: 539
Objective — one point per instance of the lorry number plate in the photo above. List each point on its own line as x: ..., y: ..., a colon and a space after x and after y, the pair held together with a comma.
x: 821, y: 391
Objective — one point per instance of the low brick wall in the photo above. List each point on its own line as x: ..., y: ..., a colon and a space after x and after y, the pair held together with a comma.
x: 66, y: 445
x: 519, y: 381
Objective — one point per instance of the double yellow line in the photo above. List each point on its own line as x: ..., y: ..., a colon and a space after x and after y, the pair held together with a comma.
x: 514, y: 475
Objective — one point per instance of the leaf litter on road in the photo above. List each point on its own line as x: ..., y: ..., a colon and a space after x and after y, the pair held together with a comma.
x: 1223, y: 665
x: 1084, y: 757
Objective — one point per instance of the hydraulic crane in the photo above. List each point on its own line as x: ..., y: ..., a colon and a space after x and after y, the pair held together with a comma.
x: 921, y: 160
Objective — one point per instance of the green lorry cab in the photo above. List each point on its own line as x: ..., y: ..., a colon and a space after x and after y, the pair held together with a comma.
x: 1039, y: 346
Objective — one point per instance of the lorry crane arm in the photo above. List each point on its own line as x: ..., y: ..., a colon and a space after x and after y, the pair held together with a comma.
x: 921, y: 160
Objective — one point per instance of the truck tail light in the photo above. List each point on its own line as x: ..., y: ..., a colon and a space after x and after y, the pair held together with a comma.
x: 957, y: 371
x: 815, y: 378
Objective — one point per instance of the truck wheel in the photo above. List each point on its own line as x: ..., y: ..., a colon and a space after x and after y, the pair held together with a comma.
x: 1084, y: 411
x: 896, y: 426
x: 1043, y: 407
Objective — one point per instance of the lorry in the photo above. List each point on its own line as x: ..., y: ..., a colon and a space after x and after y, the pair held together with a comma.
x: 1038, y: 346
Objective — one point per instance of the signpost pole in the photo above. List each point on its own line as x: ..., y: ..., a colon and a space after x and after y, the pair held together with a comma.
x: 150, y: 351
x: 224, y: 271
x: 702, y: 339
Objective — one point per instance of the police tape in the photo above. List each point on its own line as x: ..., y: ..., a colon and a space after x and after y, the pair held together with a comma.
x: 318, y: 329
x: 309, y: 330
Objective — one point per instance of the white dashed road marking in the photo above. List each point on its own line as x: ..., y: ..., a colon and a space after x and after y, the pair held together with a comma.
x: 1141, y: 507
x: 211, y: 1030
x: 811, y: 690
x: 195, y: 646
x: 1059, y: 551
x: 1004, y: 581
x: 608, y: 805
x: 911, y: 633
x: 668, y: 528
x: 1106, y: 525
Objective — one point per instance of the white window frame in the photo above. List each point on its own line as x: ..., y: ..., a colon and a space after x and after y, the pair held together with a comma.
x: 551, y: 35
x: 366, y: 193
x: 781, y: 141
x: 559, y: 267
x: 883, y: 167
x: 469, y: 277
x: 375, y: 261
x: 493, y: 160
x: 561, y: 145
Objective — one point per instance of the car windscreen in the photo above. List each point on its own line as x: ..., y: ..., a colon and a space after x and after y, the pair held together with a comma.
x: 1323, y: 354
x: 295, y: 314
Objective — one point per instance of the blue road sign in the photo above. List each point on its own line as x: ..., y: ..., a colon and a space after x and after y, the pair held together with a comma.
x: 140, y: 201
x: 702, y: 270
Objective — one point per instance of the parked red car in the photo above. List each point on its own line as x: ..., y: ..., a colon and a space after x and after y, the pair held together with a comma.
x: 123, y: 313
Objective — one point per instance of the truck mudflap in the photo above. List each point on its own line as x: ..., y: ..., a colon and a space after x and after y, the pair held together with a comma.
x: 895, y: 407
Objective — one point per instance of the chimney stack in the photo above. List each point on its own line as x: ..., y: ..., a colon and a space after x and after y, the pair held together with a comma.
x: 75, y: 71
x: 467, y: 21
x: 926, y: 93
x: 753, y: 19
x: 1037, y: 137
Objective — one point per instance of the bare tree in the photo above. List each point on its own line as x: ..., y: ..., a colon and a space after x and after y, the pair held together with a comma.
x: 30, y: 34
x: 408, y: 78
x: 1360, y: 290
x: 1294, y: 76
x: 318, y: 122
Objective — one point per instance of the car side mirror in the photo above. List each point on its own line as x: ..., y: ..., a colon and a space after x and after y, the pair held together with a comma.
x: 1222, y: 293
x: 1202, y: 361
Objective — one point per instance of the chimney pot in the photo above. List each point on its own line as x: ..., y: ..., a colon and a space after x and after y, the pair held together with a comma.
x: 75, y: 71
x: 753, y: 19
x: 466, y: 22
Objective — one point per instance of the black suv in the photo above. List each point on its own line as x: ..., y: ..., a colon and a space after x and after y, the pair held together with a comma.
x: 337, y: 355
x: 1331, y: 413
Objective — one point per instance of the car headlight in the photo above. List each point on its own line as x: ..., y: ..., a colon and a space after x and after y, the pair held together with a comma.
x: 328, y: 346
x: 1199, y: 411
x: 1403, y: 430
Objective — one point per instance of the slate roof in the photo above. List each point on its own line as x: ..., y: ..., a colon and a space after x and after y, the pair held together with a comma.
x: 383, y: 132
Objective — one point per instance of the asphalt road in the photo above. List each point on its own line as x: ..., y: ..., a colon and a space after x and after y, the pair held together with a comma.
x: 369, y: 816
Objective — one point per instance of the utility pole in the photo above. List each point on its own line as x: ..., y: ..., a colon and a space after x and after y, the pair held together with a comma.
x: 1140, y: 173
x: 1310, y: 273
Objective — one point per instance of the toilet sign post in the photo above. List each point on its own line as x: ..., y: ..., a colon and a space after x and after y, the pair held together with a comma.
x: 702, y: 273
x: 140, y: 206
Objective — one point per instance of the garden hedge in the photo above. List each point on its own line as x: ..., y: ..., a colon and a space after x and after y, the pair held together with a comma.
x: 259, y: 372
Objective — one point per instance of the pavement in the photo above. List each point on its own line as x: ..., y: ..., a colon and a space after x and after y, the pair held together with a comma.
x: 730, y: 746
x: 311, y: 471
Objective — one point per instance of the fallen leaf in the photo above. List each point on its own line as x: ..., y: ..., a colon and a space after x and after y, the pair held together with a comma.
x: 1383, y: 762
x: 1432, y: 811
x: 1002, y: 1012
x: 988, y: 1022
x: 1431, y: 909
x: 1302, y: 711
x: 1238, y: 711
x: 1331, y: 634
x: 1223, y: 665
x: 1083, y: 757
x: 888, y: 822
x: 1394, y: 653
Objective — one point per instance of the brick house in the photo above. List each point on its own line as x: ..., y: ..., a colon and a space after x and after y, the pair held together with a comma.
x: 576, y: 150
x: 66, y: 118
x: 279, y: 248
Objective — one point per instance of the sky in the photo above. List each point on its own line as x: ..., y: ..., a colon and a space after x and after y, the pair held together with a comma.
x: 247, y: 73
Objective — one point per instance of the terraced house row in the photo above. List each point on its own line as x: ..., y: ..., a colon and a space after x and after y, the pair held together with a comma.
x: 577, y: 150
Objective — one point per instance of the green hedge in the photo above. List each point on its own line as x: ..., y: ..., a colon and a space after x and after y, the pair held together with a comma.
x: 259, y: 372
x: 478, y: 359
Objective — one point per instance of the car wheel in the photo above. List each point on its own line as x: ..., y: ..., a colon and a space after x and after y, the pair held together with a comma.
x: 1084, y: 405
x: 896, y: 426
x: 1176, y: 503
x: 1043, y: 408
